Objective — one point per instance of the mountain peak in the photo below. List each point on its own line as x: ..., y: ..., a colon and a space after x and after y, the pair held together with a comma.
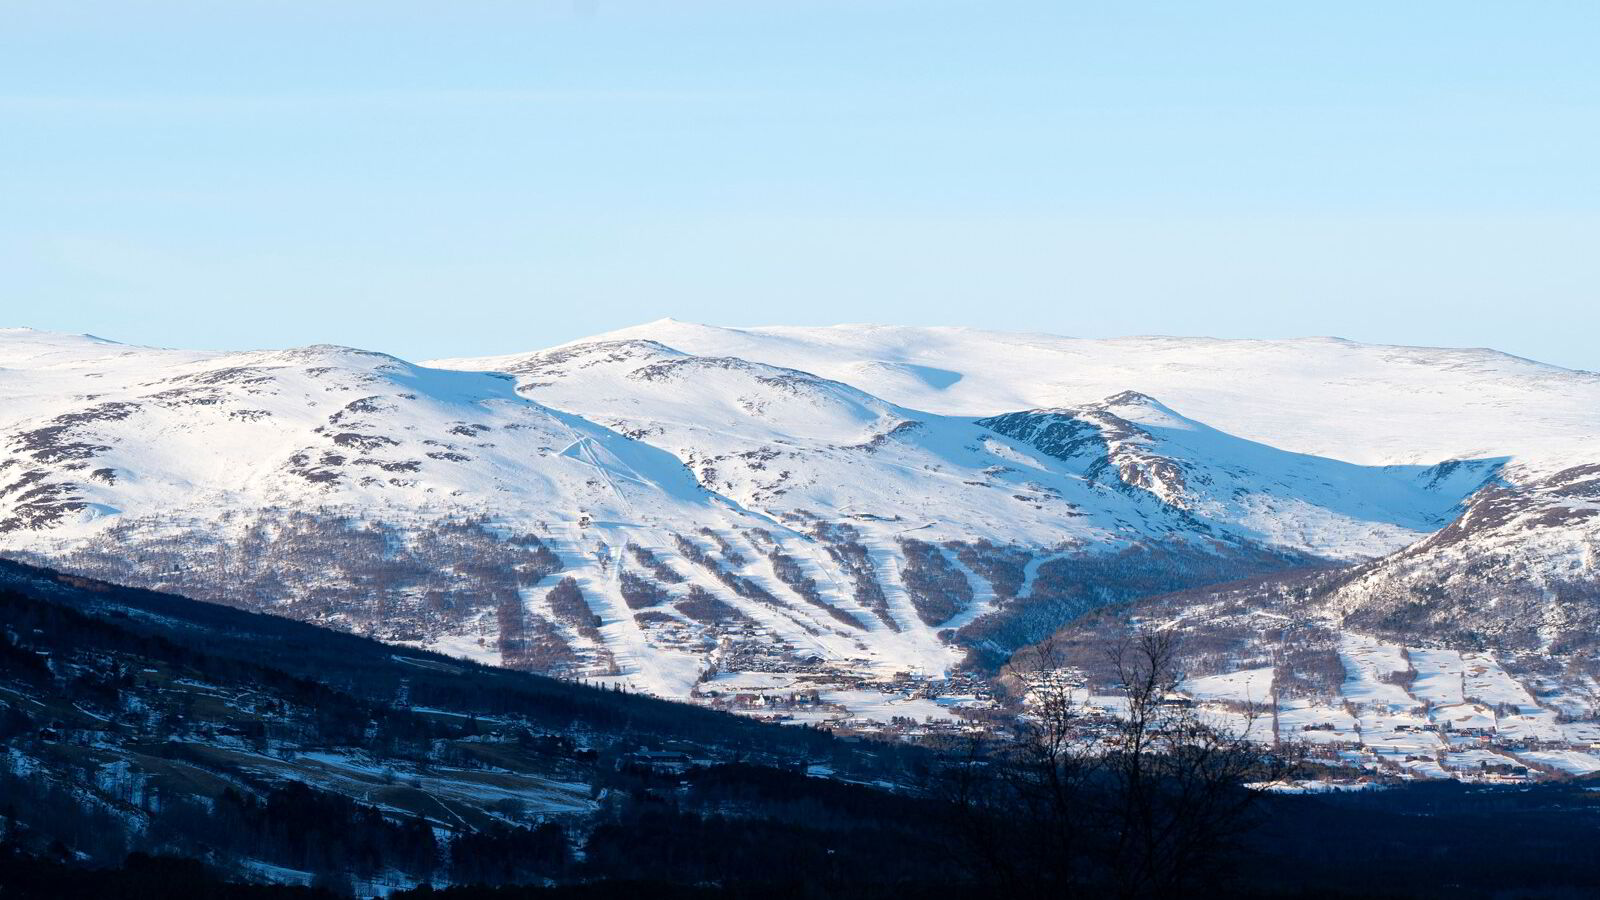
x: 1133, y: 398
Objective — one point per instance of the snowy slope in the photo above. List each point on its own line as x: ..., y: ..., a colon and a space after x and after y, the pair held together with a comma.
x: 355, y: 489
x: 1362, y: 403
x: 1469, y: 654
x: 1224, y: 483
x: 1520, y: 568
x: 95, y: 429
x: 785, y: 441
x: 1407, y: 698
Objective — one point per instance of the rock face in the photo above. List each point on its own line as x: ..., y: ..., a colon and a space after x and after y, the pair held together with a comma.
x: 1220, y: 484
x: 631, y: 509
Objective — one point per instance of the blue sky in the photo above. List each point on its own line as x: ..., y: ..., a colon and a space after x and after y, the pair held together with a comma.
x: 481, y: 177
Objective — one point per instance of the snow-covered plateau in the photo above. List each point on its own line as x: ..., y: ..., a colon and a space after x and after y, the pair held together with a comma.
x: 819, y: 524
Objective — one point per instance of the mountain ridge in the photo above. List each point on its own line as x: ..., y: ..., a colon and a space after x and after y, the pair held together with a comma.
x: 1312, y: 394
x: 625, y: 508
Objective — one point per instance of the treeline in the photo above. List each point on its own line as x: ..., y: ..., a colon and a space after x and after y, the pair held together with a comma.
x: 1066, y: 587
x: 396, y: 581
x: 742, y: 824
x: 299, y: 827
x: 938, y: 589
x: 747, y: 832
x: 240, y: 647
x: 845, y: 548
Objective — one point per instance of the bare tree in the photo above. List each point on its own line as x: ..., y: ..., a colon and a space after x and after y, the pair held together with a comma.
x: 1181, y: 786
x: 1141, y: 803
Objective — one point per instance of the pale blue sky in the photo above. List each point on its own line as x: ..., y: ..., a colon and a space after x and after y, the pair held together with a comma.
x: 484, y: 177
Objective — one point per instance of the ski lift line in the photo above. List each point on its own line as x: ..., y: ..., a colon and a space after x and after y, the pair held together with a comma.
x: 583, y: 445
x: 816, y: 556
x: 764, y: 614
x: 632, y: 655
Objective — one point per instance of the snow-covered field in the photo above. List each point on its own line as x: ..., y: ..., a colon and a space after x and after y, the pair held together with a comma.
x: 1368, y: 666
x: 1573, y: 762
x: 1456, y: 714
x: 1244, y: 686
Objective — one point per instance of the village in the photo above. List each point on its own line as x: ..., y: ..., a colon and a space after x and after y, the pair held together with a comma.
x: 1387, y: 713
x: 847, y: 700
x: 1446, y: 715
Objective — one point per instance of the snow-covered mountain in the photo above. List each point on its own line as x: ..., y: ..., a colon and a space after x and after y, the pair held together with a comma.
x: 1469, y: 654
x: 96, y: 429
x: 786, y: 442
x: 1519, y: 569
x: 1364, y: 403
x: 675, y: 506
